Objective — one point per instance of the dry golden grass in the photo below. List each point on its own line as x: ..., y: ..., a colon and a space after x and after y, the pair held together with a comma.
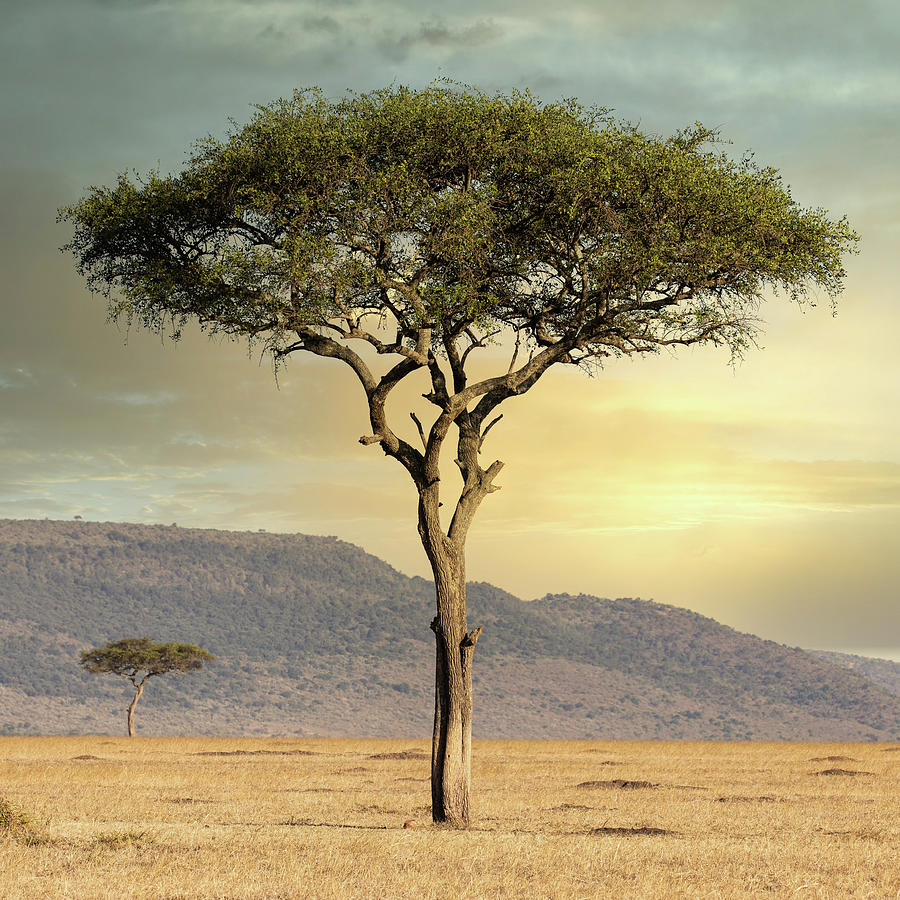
x: 162, y: 818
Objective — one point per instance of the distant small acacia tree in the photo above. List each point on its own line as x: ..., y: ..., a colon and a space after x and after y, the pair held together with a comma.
x: 402, y: 233
x: 138, y: 659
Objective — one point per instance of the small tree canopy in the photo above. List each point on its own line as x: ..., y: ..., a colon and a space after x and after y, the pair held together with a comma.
x: 131, y: 656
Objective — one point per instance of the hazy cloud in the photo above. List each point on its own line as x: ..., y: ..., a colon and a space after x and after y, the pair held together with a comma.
x: 436, y: 35
x: 321, y: 24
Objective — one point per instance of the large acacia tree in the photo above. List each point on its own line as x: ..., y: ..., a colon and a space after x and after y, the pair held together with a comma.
x: 402, y: 232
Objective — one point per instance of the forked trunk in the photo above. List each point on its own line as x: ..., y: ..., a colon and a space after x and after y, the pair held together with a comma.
x: 137, y: 696
x: 451, y: 749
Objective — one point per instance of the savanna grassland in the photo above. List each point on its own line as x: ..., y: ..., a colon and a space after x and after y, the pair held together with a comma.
x: 104, y: 817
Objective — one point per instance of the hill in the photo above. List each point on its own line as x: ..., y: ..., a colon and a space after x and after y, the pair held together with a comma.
x: 315, y: 636
x: 883, y: 672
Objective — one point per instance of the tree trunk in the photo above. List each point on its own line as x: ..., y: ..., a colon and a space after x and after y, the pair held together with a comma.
x: 451, y: 749
x: 137, y: 696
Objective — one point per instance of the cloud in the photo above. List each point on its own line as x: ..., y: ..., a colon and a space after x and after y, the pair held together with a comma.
x: 321, y: 25
x: 775, y: 76
x: 437, y: 35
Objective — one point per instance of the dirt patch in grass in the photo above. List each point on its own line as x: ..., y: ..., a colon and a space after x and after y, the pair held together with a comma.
x: 635, y: 829
x: 310, y: 823
x: 765, y: 798
x: 567, y: 806
x: 188, y: 800
x: 618, y: 784
x: 255, y: 753
x: 865, y: 834
x: 317, y: 790
x: 113, y: 839
x: 85, y: 756
x: 603, y: 762
x: 841, y: 772
x: 832, y: 759
x: 401, y: 754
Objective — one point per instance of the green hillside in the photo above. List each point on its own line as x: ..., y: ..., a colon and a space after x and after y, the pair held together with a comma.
x: 883, y: 672
x: 315, y: 636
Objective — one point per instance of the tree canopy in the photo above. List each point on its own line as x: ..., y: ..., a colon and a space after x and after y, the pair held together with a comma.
x: 449, y: 214
x: 132, y: 657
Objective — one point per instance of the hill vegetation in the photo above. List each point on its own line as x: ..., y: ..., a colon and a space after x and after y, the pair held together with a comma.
x: 315, y: 636
x: 883, y: 672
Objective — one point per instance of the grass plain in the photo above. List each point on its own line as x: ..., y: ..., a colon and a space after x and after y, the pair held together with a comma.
x: 102, y: 817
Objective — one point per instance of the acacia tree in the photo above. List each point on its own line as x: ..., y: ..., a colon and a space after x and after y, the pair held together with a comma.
x: 402, y: 232
x: 138, y: 659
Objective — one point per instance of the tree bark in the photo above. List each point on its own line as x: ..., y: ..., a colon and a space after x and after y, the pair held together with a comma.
x: 137, y: 696
x: 451, y: 749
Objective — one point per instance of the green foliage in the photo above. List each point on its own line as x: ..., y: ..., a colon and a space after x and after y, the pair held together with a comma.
x: 133, y: 656
x: 452, y: 209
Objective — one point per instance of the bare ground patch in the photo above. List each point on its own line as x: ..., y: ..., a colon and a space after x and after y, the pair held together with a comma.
x: 632, y: 830
x: 255, y: 753
x: 618, y: 784
x: 402, y: 754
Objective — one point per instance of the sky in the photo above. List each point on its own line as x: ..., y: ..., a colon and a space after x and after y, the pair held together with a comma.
x: 765, y: 495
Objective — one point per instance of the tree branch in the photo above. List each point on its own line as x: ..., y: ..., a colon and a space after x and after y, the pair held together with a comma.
x: 415, y: 419
x: 487, y: 428
x: 321, y: 345
x: 376, y: 394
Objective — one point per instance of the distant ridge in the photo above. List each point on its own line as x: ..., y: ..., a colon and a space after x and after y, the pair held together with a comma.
x: 315, y: 636
x: 883, y: 672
